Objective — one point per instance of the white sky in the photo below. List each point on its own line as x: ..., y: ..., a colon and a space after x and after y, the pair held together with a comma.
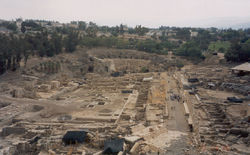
x: 151, y: 13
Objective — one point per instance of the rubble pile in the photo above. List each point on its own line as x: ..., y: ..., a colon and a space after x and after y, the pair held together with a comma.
x: 221, y: 131
x: 236, y: 87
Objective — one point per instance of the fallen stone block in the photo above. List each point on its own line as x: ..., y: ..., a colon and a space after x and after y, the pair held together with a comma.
x: 45, y: 88
x: 125, y: 117
x: 147, y: 79
x: 18, y: 93
x: 132, y: 139
x: 186, y: 109
x: 55, y: 84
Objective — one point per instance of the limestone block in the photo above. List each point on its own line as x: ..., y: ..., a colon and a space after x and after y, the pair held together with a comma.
x: 45, y: 88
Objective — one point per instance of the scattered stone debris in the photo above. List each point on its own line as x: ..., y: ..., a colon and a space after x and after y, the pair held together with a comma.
x: 101, y: 103
x: 175, y: 97
x: 55, y: 84
x: 4, y: 104
x: 17, y: 93
x: 44, y: 88
x: 240, y: 88
x: 211, y: 85
x: 34, y: 139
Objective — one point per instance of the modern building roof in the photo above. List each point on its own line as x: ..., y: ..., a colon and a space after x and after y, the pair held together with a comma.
x: 242, y: 67
x: 113, y: 146
x: 74, y: 137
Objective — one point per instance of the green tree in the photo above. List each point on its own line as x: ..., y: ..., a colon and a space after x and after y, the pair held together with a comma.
x: 82, y: 25
x: 56, y: 41
x: 91, y: 31
x: 239, y: 52
x: 141, y: 30
x: 12, y: 26
x: 115, y: 31
x: 71, y: 41
x: 23, y: 29
x: 189, y: 49
x: 4, y: 48
x: 131, y: 31
x: 121, y: 29
x: 183, y: 33
x: 203, y: 39
x: 9, y: 25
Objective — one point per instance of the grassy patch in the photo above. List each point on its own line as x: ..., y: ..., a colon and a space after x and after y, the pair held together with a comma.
x: 219, y: 46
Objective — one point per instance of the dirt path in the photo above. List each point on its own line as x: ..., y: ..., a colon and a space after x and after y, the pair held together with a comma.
x: 176, y: 122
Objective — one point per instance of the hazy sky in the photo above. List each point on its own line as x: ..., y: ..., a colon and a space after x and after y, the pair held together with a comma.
x: 151, y: 13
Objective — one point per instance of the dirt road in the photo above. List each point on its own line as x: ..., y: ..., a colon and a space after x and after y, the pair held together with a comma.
x: 176, y: 122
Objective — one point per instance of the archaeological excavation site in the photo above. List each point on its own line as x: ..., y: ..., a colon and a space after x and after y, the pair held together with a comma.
x: 126, y: 102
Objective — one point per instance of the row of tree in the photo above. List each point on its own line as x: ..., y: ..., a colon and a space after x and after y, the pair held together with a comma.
x: 14, y: 48
x: 10, y: 53
x: 149, y: 45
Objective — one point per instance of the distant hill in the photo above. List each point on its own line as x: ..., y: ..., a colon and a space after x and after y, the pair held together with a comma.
x: 232, y: 22
x: 221, y: 22
x: 243, y: 26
